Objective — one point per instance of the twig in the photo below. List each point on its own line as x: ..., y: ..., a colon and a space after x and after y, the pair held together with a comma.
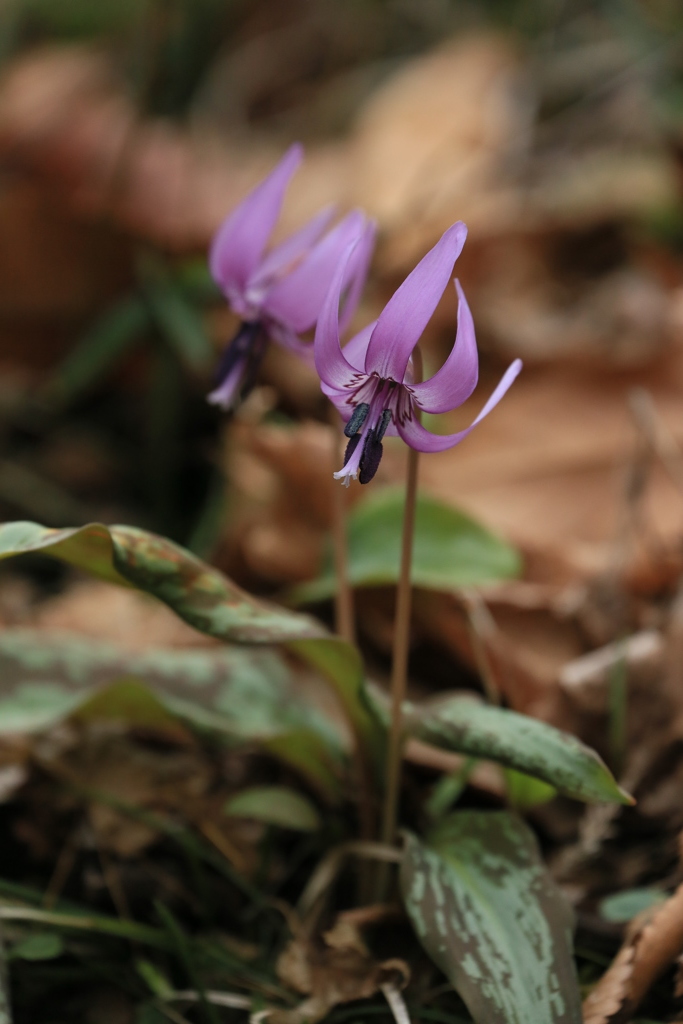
x: 229, y: 999
x: 330, y: 866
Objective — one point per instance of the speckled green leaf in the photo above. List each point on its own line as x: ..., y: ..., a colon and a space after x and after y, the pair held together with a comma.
x: 450, y: 548
x: 244, y: 693
x: 275, y: 805
x: 489, y: 915
x: 203, y: 597
x: 517, y: 741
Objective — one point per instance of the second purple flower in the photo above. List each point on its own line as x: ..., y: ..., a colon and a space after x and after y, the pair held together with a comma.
x: 279, y: 294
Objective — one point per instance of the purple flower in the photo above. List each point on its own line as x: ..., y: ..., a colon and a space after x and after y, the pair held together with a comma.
x: 279, y: 294
x: 371, y: 382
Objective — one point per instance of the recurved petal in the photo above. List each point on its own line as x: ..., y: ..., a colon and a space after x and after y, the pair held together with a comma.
x: 457, y: 378
x: 291, y: 249
x: 409, y: 310
x: 297, y: 298
x: 239, y: 243
x: 422, y: 440
x: 332, y: 367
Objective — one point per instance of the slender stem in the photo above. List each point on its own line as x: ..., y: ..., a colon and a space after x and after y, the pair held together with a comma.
x: 401, y: 645
x: 399, y: 667
x: 343, y: 601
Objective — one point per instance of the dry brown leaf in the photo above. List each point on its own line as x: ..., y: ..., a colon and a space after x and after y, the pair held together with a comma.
x: 431, y: 145
x: 129, y: 618
x: 546, y: 469
x: 651, y: 946
x: 621, y: 315
x: 520, y: 643
x: 586, y: 680
x: 608, y: 996
x: 335, y: 968
x: 158, y: 781
x: 281, y: 498
x: 65, y: 114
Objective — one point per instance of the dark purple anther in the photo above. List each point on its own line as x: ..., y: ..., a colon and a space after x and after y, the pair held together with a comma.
x: 358, y: 418
x: 371, y: 458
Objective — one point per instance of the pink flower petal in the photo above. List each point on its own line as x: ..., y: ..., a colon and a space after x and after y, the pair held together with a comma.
x: 332, y: 367
x: 422, y: 440
x: 457, y: 378
x: 241, y: 239
x: 284, y: 255
x: 358, y: 268
x: 409, y: 310
x: 297, y: 298
x: 354, y: 350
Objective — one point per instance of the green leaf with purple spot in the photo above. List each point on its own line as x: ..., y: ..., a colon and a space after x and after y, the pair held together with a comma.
x: 518, y: 741
x: 204, y: 598
x: 243, y: 694
x: 490, y: 917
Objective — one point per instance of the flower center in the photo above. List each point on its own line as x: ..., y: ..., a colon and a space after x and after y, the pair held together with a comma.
x: 377, y: 400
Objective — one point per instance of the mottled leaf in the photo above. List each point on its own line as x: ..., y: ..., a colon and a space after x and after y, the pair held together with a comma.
x: 517, y: 741
x: 246, y: 694
x: 450, y: 549
x: 204, y: 598
x: 275, y: 805
x: 489, y: 915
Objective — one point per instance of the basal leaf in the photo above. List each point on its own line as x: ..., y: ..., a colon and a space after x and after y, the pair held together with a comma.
x: 450, y: 549
x: 205, y: 598
x: 246, y: 694
x: 275, y: 805
x: 489, y: 915
x: 517, y: 741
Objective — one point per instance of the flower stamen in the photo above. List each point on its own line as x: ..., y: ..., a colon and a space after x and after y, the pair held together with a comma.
x: 358, y: 418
